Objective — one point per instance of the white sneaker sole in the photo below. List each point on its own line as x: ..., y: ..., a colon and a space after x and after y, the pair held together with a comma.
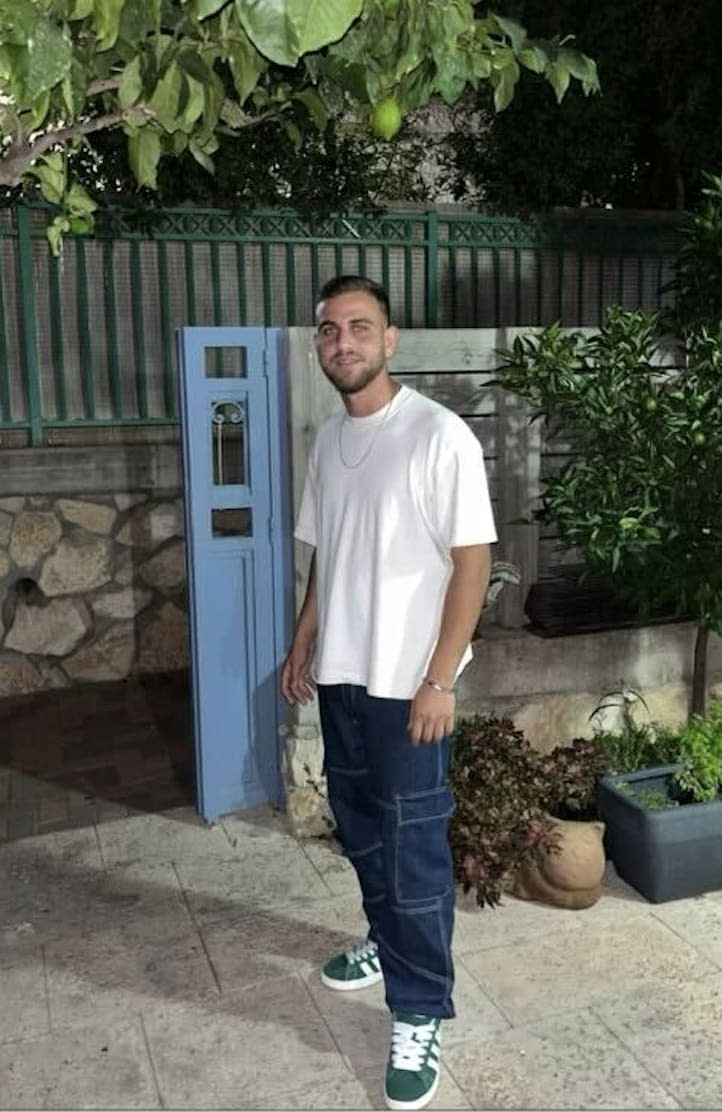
x: 411, y: 1106
x: 352, y: 986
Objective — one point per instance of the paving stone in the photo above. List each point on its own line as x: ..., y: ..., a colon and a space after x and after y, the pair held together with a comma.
x: 329, y: 861
x: 94, y: 1068
x: 57, y: 885
x: 698, y: 921
x: 24, y: 1011
x: 251, y: 1046
x: 265, y: 872
x: 510, y: 922
x: 567, y: 1061
x: 353, y: 1095
x: 163, y: 838
x: 580, y: 968
x: 115, y: 971
x: 676, y: 1030
x: 247, y: 949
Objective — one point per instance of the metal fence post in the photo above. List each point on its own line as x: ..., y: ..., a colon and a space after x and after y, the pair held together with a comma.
x: 28, y: 326
x: 432, y: 269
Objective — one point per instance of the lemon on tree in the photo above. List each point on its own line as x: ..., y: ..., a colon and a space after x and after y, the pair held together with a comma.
x: 386, y: 118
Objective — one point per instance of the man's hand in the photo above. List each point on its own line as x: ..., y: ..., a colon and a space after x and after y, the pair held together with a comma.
x: 432, y: 715
x: 297, y: 681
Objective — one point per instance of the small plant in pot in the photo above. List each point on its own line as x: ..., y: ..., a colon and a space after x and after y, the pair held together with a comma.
x: 664, y: 817
x: 509, y: 798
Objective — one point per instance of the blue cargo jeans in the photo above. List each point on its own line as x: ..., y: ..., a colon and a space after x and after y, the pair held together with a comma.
x: 392, y: 805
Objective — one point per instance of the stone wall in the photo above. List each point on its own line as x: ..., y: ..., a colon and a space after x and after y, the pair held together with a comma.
x: 93, y: 582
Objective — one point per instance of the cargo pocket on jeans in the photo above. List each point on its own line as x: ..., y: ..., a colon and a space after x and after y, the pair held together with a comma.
x: 423, y: 868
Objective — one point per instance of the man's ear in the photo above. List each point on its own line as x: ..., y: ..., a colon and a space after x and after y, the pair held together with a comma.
x: 391, y: 339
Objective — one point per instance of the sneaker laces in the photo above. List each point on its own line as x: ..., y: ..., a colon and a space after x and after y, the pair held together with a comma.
x: 410, y: 1044
x: 361, y: 951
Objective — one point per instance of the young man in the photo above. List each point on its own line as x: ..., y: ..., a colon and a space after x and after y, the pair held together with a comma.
x: 396, y: 506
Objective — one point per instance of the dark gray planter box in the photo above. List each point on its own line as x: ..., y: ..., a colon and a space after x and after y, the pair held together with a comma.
x: 665, y: 853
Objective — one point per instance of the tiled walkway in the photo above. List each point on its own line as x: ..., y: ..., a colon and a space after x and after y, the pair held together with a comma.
x: 154, y: 962
x: 77, y: 756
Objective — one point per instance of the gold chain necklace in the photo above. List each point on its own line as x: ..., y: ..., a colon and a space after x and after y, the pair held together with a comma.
x: 377, y: 431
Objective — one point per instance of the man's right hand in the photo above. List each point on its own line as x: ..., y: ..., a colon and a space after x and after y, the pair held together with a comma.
x: 297, y: 681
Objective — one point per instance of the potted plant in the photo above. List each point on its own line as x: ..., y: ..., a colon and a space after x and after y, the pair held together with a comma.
x: 509, y: 798
x: 663, y: 812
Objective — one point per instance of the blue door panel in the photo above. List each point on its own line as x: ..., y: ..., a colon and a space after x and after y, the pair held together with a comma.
x: 237, y: 564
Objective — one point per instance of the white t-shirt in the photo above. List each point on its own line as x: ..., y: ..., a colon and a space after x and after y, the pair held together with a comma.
x: 382, y: 532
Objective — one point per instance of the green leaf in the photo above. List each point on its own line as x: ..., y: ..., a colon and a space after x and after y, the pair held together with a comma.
x: 194, y: 105
x: 579, y: 66
x: 513, y: 31
x: 201, y: 157
x: 78, y: 201
x: 144, y: 151
x: 38, y: 112
x: 559, y: 78
x: 482, y: 66
x: 165, y: 102
x: 246, y: 67
x: 43, y: 63
x: 81, y: 9
x: 204, y: 8
x: 505, y: 85
x: 531, y: 59
x: 233, y: 115
x: 178, y: 142
x: 51, y: 174
x: 192, y: 64
x: 138, y: 19
x: 17, y: 21
x: 450, y: 80
x: 107, y: 22
x: 351, y: 76
x: 315, y: 107
x: 294, y: 133
x: 130, y: 89
x: 56, y: 230
x: 284, y: 30
x: 454, y: 21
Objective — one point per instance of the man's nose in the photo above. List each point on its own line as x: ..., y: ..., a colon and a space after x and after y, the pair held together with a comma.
x: 344, y: 338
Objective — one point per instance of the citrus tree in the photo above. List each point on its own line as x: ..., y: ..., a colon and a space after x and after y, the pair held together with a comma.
x: 641, y: 495
x: 176, y: 75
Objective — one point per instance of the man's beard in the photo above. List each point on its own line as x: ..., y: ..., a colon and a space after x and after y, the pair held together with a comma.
x: 354, y: 386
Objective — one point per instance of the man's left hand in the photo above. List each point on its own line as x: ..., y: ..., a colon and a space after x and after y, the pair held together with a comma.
x: 432, y: 715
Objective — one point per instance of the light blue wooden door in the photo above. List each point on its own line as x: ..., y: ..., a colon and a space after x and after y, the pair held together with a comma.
x: 239, y: 580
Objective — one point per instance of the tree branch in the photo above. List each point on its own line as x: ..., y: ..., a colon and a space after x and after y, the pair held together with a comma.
x: 103, y: 85
x: 19, y: 155
x: 253, y: 121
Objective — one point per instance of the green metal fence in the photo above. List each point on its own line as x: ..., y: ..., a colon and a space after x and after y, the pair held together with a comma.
x: 88, y: 340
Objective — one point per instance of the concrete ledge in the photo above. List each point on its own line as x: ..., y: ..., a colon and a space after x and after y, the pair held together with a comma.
x: 550, y: 687
x: 514, y: 663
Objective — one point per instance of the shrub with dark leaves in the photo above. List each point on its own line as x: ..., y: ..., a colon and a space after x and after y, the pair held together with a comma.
x: 505, y: 793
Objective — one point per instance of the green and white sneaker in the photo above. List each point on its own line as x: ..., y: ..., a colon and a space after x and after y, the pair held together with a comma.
x: 412, y: 1075
x: 359, y: 967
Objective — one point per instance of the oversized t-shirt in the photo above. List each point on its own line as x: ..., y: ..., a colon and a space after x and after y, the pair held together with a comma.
x: 386, y: 497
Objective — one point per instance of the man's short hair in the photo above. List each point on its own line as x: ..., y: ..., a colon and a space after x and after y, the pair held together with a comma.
x: 353, y: 283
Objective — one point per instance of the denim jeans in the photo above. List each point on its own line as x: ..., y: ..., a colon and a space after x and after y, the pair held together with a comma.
x: 392, y: 805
